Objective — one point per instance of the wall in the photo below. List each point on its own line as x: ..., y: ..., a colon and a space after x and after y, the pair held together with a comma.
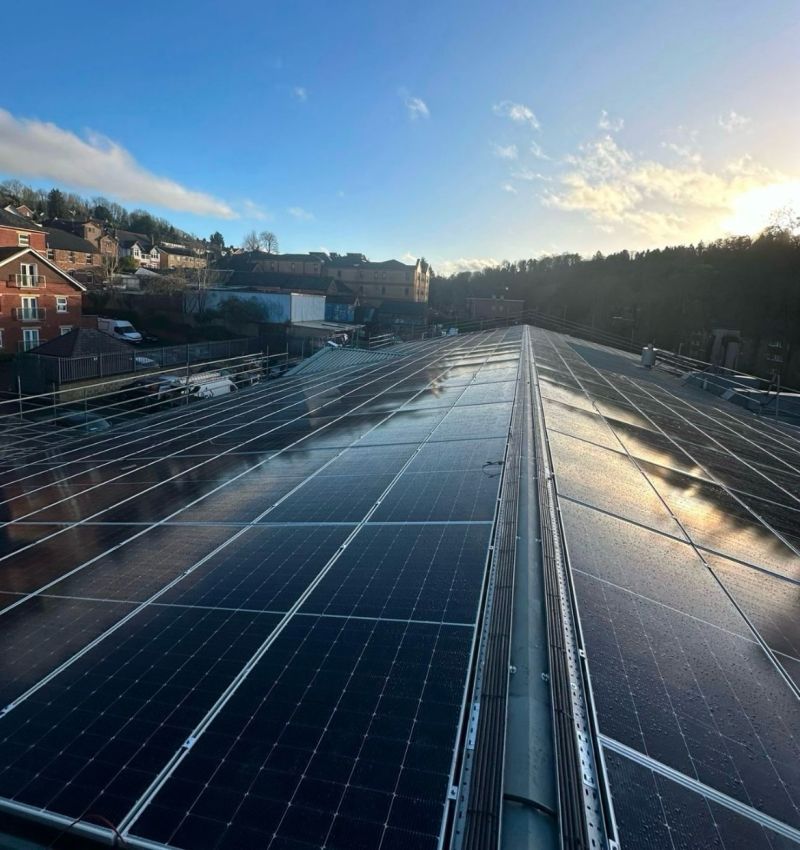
x: 9, y: 238
x: 281, y: 306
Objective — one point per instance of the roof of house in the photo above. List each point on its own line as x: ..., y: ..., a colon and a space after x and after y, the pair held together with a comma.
x: 284, y: 281
x: 63, y: 240
x: 9, y: 253
x: 177, y: 251
x: 19, y: 222
x: 301, y: 258
x: 82, y: 342
x: 361, y: 262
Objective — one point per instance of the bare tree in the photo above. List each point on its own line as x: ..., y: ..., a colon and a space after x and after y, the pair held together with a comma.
x: 251, y: 241
x: 270, y: 241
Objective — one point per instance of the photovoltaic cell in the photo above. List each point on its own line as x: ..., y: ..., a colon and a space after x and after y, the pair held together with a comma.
x: 352, y: 722
x: 93, y: 738
x: 406, y: 572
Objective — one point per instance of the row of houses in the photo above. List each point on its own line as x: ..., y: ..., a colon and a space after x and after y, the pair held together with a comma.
x: 85, y: 248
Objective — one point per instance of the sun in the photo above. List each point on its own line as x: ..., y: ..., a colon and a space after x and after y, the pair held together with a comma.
x: 753, y: 210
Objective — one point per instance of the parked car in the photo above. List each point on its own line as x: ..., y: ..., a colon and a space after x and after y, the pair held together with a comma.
x: 119, y: 329
x: 210, y: 385
x: 154, y: 389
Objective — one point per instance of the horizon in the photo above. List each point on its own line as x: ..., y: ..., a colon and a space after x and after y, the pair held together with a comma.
x: 481, y: 143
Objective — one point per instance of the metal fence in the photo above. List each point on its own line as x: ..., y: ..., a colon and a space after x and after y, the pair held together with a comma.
x: 40, y: 369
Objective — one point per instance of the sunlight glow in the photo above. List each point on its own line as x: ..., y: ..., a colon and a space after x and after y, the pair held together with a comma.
x: 753, y: 210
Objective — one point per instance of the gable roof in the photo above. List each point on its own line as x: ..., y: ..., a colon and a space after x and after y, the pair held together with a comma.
x: 18, y: 222
x: 8, y: 254
x: 177, y: 251
x: 82, y: 342
x: 62, y: 240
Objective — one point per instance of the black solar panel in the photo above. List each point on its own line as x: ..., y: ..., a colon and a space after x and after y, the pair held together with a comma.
x: 206, y: 622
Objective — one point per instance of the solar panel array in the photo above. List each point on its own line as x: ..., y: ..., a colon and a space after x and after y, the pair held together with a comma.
x: 681, y: 522
x: 251, y: 622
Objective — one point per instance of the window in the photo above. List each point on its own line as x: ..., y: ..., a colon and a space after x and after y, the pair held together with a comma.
x: 406, y: 290
x: 383, y: 276
x: 292, y: 266
x: 1, y: 339
x: 383, y: 290
x: 30, y: 338
x: 61, y: 304
x: 72, y: 256
x: 51, y: 254
x: 27, y: 274
x: 316, y: 267
x: 64, y: 329
x: 376, y: 275
x: 24, y: 240
x: 88, y: 259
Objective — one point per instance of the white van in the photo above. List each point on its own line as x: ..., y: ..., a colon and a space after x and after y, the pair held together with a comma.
x: 119, y: 329
x: 210, y: 385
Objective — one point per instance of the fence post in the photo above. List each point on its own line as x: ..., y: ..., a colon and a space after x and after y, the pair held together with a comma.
x: 187, y: 375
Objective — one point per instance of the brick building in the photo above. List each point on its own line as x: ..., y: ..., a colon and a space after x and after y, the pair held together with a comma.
x: 38, y: 300
x: 73, y: 254
x: 180, y: 257
x: 16, y: 231
x: 92, y: 230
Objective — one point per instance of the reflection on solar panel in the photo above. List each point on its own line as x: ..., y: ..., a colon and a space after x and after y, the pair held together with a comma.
x: 680, y: 524
x: 256, y: 626
x: 284, y: 620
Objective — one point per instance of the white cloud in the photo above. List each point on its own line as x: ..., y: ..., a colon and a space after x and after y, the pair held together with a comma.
x: 35, y: 149
x: 300, y: 214
x: 507, y: 187
x: 687, y: 151
x: 300, y: 93
x: 732, y: 121
x: 517, y: 112
x: 463, y: 264
x: 505, y: 151
x: 529, y: 175
x: 614, y: 188
x: 609, y: 124
x: 252, y: 210
x: 415, y: 106
x: 536, y: 150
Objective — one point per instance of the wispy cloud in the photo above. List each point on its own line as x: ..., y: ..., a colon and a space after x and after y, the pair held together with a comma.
x: 415, y: 106
x: 252, y: 210
x: 463, y: 264
x: 505, y: 151
x: 732, y: 121
x: 510, y: 188
x: 536, y: 150
x: 300, y: 93
x: 39, y: 150
x: 300, y: 214
x: 615, y: 188
x: 609, y: 124
x: 517, y: 112
x: 529, y: 175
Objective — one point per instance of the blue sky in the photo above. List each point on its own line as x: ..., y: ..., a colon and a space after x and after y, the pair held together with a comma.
x: 462, y: 131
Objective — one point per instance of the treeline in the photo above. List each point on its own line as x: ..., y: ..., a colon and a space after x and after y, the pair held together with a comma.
x: 59, y: 203
x: 668, y: 296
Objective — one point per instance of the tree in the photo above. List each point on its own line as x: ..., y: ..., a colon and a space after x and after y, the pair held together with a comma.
x: 251, y: 241
x: 127, y: 265
x: 270, y: 241
x: 217, y: 243
x: 56, y: 206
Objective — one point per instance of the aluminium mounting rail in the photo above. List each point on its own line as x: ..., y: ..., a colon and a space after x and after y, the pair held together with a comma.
x: 585, y: 813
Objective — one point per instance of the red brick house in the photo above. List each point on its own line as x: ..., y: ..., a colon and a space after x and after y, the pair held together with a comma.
x: 17, y: 232
x: 38, y: 301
